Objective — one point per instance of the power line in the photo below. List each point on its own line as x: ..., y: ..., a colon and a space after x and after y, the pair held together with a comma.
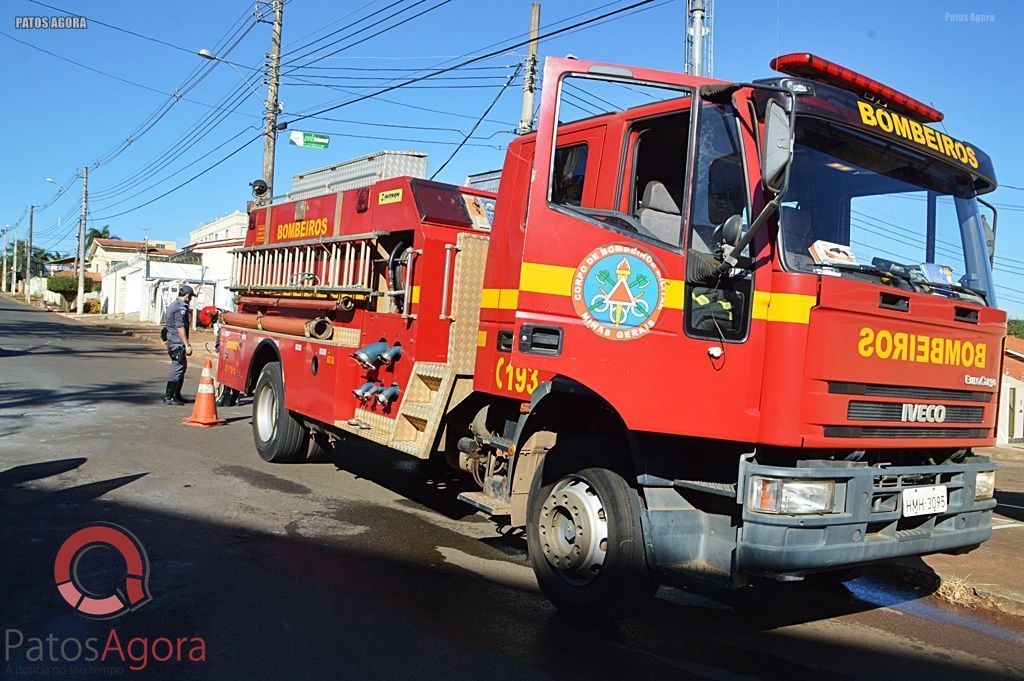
x: 365, y: 38
x: 116, y: 28
x: 327, y: 25
x: 476, y: 125
x: 186, y: 182
x: 474, y: 60
x: 108, y: 75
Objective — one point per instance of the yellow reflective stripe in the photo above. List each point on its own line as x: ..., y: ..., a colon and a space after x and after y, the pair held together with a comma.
x: 703, y: 300
x: 557, y: 280
x: 537, y: 277
x: 783, y: 307
x: 508, y: 299
x: 674, y: 294
x: 499, y: 299
x: 415, y: 295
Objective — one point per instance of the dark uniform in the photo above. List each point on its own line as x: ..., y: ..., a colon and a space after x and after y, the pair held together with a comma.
x: 176, y: 317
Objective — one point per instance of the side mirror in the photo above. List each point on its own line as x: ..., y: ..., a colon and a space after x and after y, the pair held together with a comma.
x: 990, y: 231
x: 778, y: 146
x: 730, y: 232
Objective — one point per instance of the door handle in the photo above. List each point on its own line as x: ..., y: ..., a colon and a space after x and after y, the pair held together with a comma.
x: 539, y: 339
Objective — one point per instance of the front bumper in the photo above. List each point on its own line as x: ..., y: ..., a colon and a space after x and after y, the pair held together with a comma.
x: 870, y: 526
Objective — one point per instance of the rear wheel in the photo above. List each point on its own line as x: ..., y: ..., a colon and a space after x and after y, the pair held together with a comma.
x: 279, y: 436
x: 585, y: 541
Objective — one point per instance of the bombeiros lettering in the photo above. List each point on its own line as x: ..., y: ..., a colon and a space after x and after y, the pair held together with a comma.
x: 909, y: 129
x: 302, y: 229
x: 901, y: 346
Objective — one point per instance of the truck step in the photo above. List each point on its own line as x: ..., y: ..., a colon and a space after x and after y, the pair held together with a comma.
x: 487, y: 504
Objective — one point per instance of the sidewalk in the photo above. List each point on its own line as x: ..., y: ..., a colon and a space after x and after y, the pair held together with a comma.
x: 992, y: 575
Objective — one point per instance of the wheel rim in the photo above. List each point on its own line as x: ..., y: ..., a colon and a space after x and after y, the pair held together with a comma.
x: 266, y: 412
x: 574, y: 530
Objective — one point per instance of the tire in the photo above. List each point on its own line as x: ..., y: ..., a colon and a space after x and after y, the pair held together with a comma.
x: 279, y: 436
x: 588, y: 578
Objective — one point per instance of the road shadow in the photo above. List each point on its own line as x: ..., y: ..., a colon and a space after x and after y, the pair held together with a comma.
x: 1011, y: 505
x: 370, y: 595
x: 430, y: 483
x: 37, y: 471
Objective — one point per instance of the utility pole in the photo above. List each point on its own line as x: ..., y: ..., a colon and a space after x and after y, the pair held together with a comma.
x: 530, y: 73
x: 273, y: 78
x: 80, y: 304
x: 700, y: 45
x: 3, y: 277
x: 697, y: 37
x: 14, y: 263
x: 28, y: 256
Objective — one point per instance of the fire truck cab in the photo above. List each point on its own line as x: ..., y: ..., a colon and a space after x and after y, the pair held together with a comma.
x: 724, y: 330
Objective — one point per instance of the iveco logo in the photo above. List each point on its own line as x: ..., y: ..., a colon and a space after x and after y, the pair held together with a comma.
x: 924, y: 413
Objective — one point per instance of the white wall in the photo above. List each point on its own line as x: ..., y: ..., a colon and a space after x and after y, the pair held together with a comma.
x: 231, y: 226
x: 1011, y: 387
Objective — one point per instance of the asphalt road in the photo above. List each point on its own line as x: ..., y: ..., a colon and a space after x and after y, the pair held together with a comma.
x: 362, y: 566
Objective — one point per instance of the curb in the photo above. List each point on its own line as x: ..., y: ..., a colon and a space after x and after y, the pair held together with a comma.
x: 989, y: 596
x: 150, y: 337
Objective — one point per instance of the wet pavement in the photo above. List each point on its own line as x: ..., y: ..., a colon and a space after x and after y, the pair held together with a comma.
x: 363, y: 565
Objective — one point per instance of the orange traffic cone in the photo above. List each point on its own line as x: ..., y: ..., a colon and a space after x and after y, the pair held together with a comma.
x: 204, y: 413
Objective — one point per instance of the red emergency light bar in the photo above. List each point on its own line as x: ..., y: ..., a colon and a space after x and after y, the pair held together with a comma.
x: 807, y: 65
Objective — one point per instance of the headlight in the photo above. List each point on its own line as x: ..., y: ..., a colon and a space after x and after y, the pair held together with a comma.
x: 791, y: 497
x: 985, y: 485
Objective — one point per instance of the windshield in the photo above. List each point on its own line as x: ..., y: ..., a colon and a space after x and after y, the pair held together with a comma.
x: 865, y: 208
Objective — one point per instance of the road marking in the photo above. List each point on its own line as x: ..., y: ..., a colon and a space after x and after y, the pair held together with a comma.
x: 1009, y: 506
x: 1007, y: 527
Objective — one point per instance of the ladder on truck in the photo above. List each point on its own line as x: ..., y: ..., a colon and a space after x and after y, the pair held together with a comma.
x: 338, y: 265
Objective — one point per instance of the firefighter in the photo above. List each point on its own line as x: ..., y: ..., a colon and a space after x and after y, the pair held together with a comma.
x: 177, y: 336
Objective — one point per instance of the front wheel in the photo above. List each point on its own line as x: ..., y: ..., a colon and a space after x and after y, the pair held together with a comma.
x: 586, y: 543
x: 279, y: 436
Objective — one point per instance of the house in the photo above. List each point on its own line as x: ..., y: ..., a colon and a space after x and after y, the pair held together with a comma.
x: 142, y: 288
x: 1011, y: 393
x: 103, y: 253
x: 61, y: 266
x: 210, y: 245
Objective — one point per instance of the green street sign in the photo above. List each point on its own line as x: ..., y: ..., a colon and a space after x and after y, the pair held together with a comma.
x: 310, y: 140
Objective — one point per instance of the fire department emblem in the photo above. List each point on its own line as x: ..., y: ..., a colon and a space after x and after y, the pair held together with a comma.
x: 618, y: 291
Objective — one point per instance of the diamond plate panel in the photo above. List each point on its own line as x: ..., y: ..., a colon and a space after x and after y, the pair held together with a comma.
x: 467, y: 289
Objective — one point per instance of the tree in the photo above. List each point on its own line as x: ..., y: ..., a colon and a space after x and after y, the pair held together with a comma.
x: 1015, y: 327
x: 67, y: 287
x: 97, y: 233
x: 40, y: 257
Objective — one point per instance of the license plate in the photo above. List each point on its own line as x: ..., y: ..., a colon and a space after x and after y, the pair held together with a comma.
x: 924, y: 500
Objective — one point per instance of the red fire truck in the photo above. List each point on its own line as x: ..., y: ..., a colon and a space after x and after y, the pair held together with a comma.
x: 726, y: 330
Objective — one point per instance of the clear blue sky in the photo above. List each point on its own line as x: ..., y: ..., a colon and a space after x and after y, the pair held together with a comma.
x: 58, y: 116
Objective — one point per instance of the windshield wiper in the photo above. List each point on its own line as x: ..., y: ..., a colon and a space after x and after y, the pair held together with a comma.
x: 871, y: 269
x: 958, y: 288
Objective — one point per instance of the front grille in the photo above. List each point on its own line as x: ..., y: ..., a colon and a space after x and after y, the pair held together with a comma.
x: 908, y: 392
x: 893, y: 411
x: 904, y: 432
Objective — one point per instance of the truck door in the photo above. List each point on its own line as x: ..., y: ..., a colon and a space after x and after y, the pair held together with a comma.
x: 602, y: 298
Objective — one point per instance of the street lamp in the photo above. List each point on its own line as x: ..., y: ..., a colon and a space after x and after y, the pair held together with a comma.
x: 206, y: 54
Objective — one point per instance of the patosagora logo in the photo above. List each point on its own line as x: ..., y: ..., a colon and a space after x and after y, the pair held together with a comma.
x: 136, y: 583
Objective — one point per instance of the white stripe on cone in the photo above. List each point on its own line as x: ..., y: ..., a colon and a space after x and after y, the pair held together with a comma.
x: 205, y: 389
